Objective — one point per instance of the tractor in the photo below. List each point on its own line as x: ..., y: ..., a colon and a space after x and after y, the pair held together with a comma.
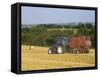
x: 76, y: 44
x: 59, y: 46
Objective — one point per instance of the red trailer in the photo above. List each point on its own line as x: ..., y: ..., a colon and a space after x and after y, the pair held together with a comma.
x: 80, y: 44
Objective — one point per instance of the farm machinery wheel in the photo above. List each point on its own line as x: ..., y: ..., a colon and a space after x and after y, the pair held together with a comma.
x: 60, y: 50
x: 83, y: 50
x: 80, y: 50
x: 75, y: 51
x: 56, y: 50
x: 49, y: 51
x: 52, y: 50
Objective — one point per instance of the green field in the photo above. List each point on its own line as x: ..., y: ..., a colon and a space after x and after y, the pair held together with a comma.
x: 37, y: 58
x: 67, y: 29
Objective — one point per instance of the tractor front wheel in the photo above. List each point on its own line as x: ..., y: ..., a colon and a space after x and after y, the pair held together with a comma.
x: 49, y: 51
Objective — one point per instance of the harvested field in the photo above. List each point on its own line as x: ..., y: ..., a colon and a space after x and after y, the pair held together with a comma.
x: 37, y: 58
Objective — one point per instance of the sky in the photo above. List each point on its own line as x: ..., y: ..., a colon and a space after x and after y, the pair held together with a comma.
x: 41, y: 15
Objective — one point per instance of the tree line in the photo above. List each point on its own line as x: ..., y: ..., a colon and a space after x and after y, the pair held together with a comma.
x: 44, y: 34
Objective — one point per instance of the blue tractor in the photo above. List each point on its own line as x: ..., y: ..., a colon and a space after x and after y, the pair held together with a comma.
x: 60, y: 45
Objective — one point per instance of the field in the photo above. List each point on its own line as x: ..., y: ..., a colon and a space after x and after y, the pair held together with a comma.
x: 37, y: 58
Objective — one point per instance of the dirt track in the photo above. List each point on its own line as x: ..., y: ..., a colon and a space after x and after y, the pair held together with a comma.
x: 38, y: 58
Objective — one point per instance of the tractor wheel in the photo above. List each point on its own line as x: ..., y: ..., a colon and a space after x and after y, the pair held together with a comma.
x: 75, y: 51
x: 60, y: 50
x: 50, y: 51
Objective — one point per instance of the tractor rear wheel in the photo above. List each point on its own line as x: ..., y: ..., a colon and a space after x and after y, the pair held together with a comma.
x: 60, y: 50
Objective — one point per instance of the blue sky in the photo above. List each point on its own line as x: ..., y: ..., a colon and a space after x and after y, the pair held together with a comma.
x: 40, y: 15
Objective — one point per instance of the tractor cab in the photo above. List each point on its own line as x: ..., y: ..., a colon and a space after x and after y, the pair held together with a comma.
x: 61, y: 41
x: 59, y: 46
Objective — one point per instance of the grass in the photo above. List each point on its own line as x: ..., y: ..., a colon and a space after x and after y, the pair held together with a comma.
x: 38, y: 58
